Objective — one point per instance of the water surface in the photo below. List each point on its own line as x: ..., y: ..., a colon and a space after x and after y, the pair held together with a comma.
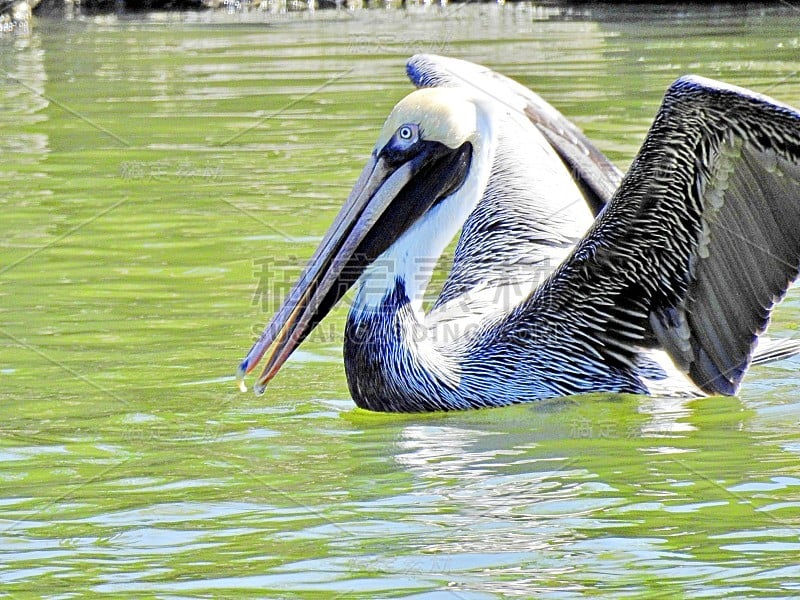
x: 163, y: 180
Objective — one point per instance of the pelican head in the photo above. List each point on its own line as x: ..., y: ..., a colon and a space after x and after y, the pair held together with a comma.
x: 429, y: 147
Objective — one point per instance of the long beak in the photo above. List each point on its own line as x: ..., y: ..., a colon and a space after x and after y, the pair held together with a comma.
x: 385, y: 201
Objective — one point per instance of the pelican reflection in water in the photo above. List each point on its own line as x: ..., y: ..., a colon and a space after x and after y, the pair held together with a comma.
x: 665, y: 292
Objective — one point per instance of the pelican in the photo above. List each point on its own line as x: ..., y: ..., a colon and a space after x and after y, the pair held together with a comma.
x: 665, y: 292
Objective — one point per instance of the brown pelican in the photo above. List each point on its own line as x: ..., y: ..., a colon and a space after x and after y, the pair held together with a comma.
x: 666, y: 292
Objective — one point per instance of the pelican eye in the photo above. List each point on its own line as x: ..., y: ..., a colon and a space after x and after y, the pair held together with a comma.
x: 403, y: 145
x: 405, y: 133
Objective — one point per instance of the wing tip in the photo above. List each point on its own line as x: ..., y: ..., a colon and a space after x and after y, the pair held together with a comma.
x: 414, y: 69
x: 426, y: 69
x: 705, y: 373
x: 691, y: 85
x: 697, y: 84
x: 775, y: 349
x: 433, y: 70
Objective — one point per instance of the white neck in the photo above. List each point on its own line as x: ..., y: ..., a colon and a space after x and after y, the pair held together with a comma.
x: 413, y: 257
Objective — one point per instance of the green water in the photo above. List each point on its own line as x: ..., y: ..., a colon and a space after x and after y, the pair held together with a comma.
x: 163, y: 180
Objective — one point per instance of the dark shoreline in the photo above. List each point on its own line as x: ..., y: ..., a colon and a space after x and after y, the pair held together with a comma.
x: 16, y: 15
x: 56, y: 8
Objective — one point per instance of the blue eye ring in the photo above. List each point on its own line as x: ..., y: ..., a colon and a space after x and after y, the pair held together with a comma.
x: 405, y: 133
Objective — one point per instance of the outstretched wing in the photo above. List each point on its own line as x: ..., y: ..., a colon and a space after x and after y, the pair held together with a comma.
x: 699, y: 243
x: 594, y: 173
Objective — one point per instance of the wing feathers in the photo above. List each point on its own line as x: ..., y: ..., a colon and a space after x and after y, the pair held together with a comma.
x: 749, y: 244
x: 769, y: 350
x: 751, y: 258
x: 704, y: 233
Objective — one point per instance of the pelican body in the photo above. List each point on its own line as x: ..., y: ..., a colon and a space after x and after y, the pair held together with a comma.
x: 567, y: 278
